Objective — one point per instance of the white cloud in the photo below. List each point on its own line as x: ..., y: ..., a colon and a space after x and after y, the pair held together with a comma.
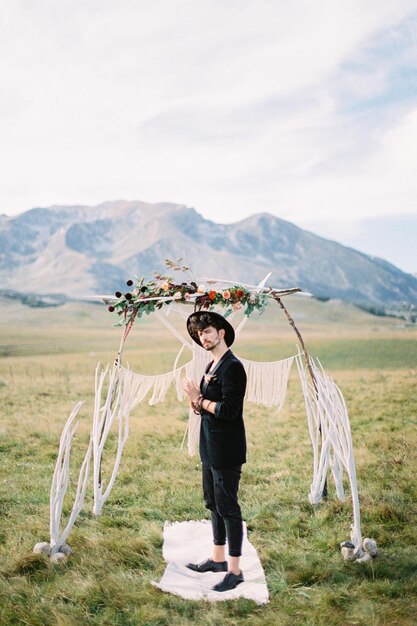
x: 232, y: 107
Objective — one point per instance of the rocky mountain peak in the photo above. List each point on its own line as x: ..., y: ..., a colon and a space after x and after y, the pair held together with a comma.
x: 80, y: 249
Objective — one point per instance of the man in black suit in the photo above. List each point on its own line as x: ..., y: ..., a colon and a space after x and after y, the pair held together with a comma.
x: 219, y: 399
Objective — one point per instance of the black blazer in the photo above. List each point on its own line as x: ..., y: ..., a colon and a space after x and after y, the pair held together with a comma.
x: 222, y: 435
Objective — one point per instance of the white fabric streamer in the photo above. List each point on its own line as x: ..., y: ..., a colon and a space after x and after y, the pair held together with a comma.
x: 60, y: 484
x: 196, y: 367
x: 326, y: 410
x: 116, y: 408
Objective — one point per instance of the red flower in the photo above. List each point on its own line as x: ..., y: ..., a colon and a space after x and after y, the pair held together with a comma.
x: 240, y: 293
x: 212, y: 295
x: 111, y: 309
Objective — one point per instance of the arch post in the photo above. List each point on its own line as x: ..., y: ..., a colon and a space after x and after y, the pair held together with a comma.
x: 307, y: 359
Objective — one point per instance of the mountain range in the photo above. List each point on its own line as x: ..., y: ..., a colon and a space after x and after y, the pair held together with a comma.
x: 80, y: 250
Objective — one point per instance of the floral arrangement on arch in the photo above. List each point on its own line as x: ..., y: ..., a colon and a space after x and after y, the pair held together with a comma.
x: 146, y: 297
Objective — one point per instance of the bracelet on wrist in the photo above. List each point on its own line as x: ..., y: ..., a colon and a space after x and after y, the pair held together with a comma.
x: 197, y: 405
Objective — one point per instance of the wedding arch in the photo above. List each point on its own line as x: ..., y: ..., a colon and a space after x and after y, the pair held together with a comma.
x: 118, y: 390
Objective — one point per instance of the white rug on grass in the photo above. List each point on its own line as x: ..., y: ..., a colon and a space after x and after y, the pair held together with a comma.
x: 191, y: 542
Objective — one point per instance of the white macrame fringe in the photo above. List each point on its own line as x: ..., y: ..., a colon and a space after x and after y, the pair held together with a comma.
x: 327, y: 411
x: 267, y: 382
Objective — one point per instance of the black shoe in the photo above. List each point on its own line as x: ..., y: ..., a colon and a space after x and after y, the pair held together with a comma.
x: 230, y: 581
x: 208, y: 566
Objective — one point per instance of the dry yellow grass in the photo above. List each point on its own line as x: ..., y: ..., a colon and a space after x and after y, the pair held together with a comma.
x: 51, y: 362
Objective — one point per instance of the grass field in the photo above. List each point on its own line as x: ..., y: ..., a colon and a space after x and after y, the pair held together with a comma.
x: 47, y: 362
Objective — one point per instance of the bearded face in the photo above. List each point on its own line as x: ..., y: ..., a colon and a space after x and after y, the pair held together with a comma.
x: 210, y: 337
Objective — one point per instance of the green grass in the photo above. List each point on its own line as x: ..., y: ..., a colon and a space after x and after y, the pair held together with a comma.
x: 49, y: 365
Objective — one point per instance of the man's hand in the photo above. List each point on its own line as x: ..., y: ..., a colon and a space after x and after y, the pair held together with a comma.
x: 191, y: 389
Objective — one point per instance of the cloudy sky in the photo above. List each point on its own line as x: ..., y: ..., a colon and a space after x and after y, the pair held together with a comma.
x: 306, y: 109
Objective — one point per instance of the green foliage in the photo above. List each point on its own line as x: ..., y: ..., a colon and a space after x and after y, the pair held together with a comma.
x: 147, y: 297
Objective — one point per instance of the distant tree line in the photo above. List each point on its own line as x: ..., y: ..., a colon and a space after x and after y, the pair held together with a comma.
x: 403, y: 310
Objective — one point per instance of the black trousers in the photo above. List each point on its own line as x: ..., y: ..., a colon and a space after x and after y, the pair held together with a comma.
x: 220, y: 488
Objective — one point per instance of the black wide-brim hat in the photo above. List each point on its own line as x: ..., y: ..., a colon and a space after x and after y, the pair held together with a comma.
x: 229, y: 335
